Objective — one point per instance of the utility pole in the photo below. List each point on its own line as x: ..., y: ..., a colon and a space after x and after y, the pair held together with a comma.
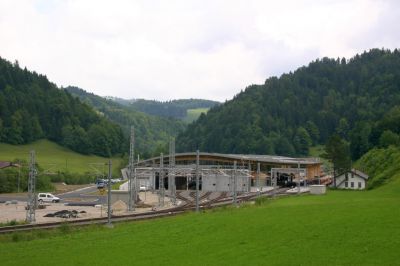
x: 109, y: 196
x: 258, y: 180
x: 273, y: 182
x: 31, y: 204
x: 298, y: 174
x: 234, y: 183
x: 249, y: 179
x: 197, y: 179
x: 161, y: 182
x: 171, y: 174
x: 131, y: 203
x: 19, y: 175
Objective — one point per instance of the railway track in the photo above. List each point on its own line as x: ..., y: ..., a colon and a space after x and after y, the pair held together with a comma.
x: 222, y: 199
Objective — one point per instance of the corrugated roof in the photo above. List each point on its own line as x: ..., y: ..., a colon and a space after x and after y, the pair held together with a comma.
x: 249, y: 157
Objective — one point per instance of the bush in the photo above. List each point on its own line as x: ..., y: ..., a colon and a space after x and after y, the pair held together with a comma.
x: 73, y: 178
x: 380, y: 164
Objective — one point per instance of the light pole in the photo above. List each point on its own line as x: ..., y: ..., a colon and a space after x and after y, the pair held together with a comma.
x: 109, y: 224
x: 197, y: 179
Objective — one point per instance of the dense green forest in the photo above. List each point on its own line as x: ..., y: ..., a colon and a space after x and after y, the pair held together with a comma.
x: 152, y: 133
x: 354, y: 101
x: 174, y: 108
x: 32, y: 108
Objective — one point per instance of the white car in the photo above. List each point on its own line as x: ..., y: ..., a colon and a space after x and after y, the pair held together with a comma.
x: 47, y: 197
x: 143, y: 188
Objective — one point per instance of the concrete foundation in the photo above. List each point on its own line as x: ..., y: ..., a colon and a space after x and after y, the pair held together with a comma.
x: 317, y: 189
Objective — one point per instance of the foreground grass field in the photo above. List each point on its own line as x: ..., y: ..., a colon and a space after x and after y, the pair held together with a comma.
x: 54, y: 156
x: 340, y: 228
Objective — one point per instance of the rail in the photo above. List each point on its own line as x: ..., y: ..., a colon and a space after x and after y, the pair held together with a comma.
x: 188, y: 205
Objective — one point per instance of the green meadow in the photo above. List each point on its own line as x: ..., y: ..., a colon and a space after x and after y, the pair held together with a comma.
x: 54, y: 157
x: 340, y: 228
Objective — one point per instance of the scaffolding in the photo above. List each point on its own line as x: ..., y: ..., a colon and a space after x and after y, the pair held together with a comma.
x: 210, y: 178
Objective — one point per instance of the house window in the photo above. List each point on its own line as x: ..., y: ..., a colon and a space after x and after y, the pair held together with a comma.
x: 352, y: 184
x: 359, y: 184
x: 346, y: 184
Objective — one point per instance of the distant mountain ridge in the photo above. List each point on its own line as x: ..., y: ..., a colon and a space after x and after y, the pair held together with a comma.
x: 174, y: 108
x: 152, y: 133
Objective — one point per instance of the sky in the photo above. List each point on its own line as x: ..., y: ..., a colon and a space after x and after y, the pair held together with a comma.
x: 169, y: 49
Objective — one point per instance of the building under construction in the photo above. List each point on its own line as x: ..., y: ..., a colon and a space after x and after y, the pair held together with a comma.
x: 221, y: 172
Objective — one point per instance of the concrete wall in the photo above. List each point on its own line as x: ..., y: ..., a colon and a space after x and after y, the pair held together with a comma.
x: 223, y: 183
x: 119, y: 195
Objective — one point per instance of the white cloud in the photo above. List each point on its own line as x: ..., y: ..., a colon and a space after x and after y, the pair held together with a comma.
x: 179, y: 49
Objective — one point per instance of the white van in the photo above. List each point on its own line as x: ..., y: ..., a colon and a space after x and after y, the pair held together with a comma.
x: 47, y: 197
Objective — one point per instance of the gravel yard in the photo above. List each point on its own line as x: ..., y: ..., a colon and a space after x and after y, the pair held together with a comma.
x: 10, y: 211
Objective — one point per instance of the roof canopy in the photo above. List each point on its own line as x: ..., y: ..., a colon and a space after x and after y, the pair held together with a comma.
x: 238, y: 157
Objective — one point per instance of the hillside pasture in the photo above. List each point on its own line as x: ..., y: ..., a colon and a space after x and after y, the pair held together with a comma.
x: 193, y: 114
x: 54, y: 157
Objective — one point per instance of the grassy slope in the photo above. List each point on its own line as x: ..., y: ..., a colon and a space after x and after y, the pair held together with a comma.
x: 340, y: 228
x: 381, y: 164
x: 193, y: 114
x: 48, y: 153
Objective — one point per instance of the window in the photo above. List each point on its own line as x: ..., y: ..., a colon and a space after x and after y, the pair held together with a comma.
x: 346, y: 184
x: 359, y: 184
x: 352, y: 184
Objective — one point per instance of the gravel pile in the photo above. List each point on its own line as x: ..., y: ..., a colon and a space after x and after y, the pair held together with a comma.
x: 65, y: 214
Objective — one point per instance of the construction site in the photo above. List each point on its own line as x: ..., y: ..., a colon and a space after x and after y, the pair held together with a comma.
x: 211, y: 175
x: 172, y: 183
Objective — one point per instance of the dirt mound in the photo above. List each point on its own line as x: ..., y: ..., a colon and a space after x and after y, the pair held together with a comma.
x: 119, y: 205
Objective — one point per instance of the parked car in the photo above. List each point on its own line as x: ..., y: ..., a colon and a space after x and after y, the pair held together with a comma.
x: 47, y: 197
x: 100, y: 184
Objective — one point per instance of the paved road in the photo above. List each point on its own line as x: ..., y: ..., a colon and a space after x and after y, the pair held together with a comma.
x: 82, y: 194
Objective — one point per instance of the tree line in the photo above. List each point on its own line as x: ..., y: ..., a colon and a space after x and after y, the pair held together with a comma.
x: 171, y: 109
x: 354, y: 102
x: 31, y: 108
x: 152, y: 133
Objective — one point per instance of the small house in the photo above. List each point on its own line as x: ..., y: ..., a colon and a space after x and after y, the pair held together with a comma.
x: 352, y: 179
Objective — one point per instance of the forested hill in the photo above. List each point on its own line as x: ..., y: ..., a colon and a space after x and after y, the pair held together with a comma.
x: 32, y: 108
x: 174, y: 108
x: 359, y: 99
x: 152, y: 133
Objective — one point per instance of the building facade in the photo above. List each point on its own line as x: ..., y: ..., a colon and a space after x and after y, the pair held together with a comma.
x: 353, y: 179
